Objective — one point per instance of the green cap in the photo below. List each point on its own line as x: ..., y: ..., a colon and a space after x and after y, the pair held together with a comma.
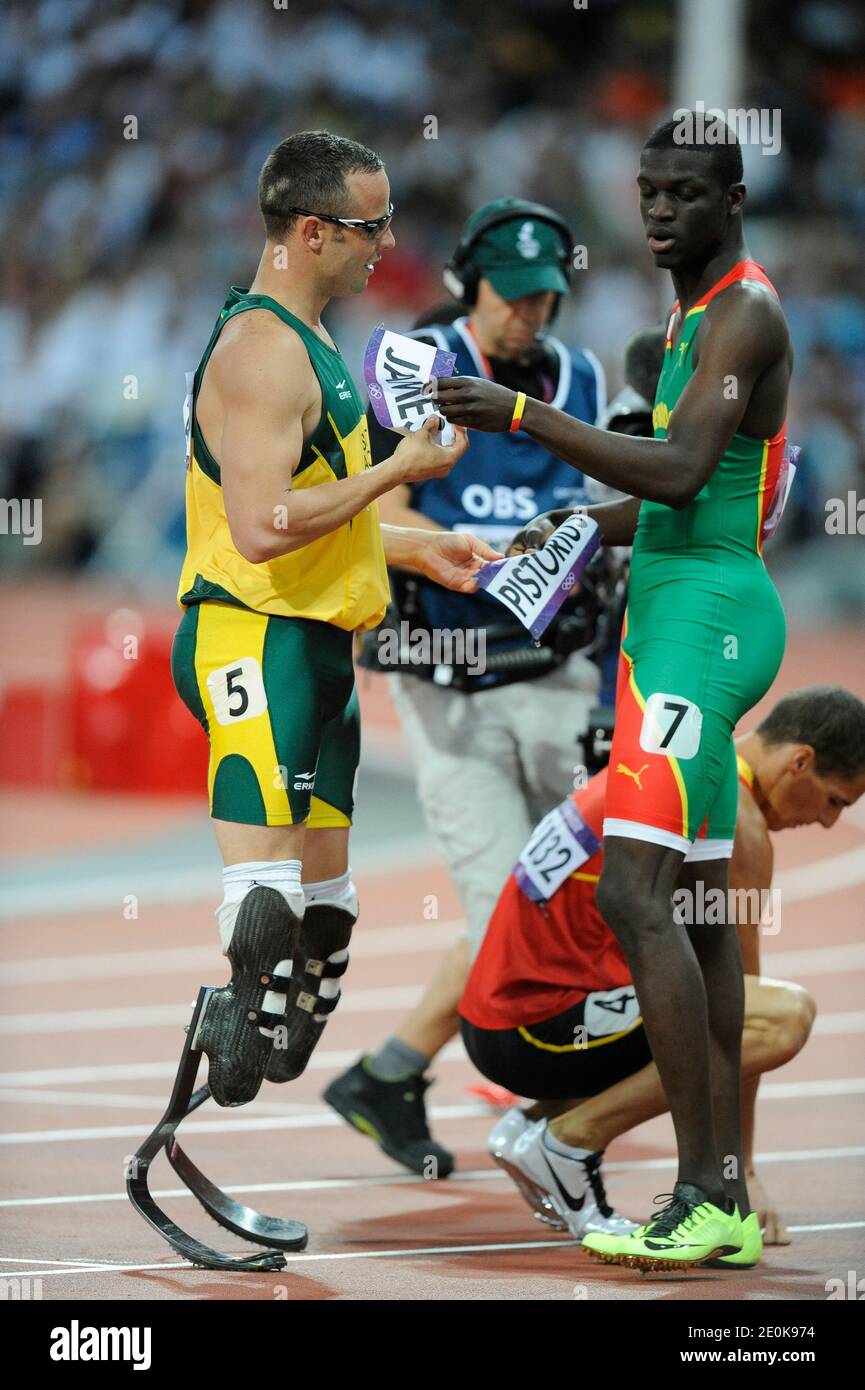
x: 520, y: 256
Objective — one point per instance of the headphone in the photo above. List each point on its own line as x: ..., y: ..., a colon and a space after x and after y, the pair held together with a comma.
x: 461, y: 276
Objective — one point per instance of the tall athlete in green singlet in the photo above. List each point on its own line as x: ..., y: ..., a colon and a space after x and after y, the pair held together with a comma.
x: 704, y: 639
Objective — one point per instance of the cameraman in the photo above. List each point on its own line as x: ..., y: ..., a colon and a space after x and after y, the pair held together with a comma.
x: 494, y: 740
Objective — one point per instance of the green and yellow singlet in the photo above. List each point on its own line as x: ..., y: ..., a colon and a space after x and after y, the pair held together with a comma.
x: 341, y: 578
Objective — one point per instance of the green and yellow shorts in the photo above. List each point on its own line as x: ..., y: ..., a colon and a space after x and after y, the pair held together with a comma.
x: 277, y: 700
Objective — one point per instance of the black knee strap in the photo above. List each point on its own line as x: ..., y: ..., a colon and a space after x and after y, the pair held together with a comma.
x: 326, y: 929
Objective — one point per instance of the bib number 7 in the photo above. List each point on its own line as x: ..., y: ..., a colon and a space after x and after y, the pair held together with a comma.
x: 671, y: 725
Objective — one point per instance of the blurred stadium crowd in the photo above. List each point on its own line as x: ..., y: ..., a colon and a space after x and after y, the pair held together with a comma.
x: 119, y: 236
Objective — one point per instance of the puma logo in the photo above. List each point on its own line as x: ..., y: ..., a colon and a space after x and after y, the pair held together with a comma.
x: 636, y: 775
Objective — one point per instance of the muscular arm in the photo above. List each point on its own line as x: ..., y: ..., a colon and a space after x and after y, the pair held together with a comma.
x: 746, y: 335
x: 743, y: 335
x: 270, y: 401
x: 396, y: 509
x: 617, y: 521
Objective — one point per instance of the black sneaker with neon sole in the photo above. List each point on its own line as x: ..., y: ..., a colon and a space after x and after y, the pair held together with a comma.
x: 393, y: 1114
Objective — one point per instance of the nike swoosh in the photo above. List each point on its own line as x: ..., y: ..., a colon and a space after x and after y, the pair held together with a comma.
x: 659, y: 1245
x: 571, y: 1201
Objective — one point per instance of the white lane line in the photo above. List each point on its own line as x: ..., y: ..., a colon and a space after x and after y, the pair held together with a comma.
x: 834, y: 1024
x: 411, y: 939
x: 368, y: 943
x: 197, y: 883
x: 247, y: 1189
x: 814, y: 960
x: 829, y: 1226
x: 408, y: 1179
x: 812, y: 1090
x: 132, y: 1017
x: 19, y: 1260
x: 562, y: 1243
x: 321, y: 1119
x: 106, y: 1100
x: 321, y: 1060
x: 822, y: 876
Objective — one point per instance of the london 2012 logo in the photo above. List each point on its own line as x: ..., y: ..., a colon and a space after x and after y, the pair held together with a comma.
x: 527, y: 243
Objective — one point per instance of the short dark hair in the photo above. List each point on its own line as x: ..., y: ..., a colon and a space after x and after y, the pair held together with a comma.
x: 726, y: 157
x: 308, y: 170
x: 644, y: 358
x: 828, y: 718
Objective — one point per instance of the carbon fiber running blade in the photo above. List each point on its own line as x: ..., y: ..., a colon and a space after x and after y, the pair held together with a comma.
x: 186, y: 1245
x: 234, y: 1216
x: 181, y: 1103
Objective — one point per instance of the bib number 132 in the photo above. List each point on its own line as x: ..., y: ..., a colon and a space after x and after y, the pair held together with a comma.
x: 560, y: 843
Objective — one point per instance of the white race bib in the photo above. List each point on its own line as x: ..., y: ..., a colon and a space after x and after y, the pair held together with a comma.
x: 609, y: 1011
x: 558, y: 846
x: 534, y: 587
x: 237, y: 691
x: 396, y: 370
x: 671, y: 724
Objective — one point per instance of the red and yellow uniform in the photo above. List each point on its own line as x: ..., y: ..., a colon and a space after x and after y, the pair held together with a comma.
x: 549, y: 1009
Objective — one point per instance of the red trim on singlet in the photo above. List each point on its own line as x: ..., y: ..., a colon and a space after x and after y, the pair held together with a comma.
x: 536, y: 962
x: 742, y: 270
x: 746, y: 270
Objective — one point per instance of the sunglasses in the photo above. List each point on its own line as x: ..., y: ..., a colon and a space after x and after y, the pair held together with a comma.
x: 371, y: 228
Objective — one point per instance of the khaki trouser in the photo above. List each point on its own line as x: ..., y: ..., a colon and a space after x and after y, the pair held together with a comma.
x: 489, y: 766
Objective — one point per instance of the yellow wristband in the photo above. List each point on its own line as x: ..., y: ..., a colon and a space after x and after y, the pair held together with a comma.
x: 519, y: 407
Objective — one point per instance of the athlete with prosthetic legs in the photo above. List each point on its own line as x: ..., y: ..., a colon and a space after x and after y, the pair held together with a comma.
x: 286, y: 560
x: 705, y: 636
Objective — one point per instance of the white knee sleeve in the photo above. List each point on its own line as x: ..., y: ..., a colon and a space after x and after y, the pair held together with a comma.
x: 336, y: 892
x: 240, y: 879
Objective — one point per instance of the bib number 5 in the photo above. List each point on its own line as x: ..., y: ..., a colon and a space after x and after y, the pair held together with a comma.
x: 237, y: 691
